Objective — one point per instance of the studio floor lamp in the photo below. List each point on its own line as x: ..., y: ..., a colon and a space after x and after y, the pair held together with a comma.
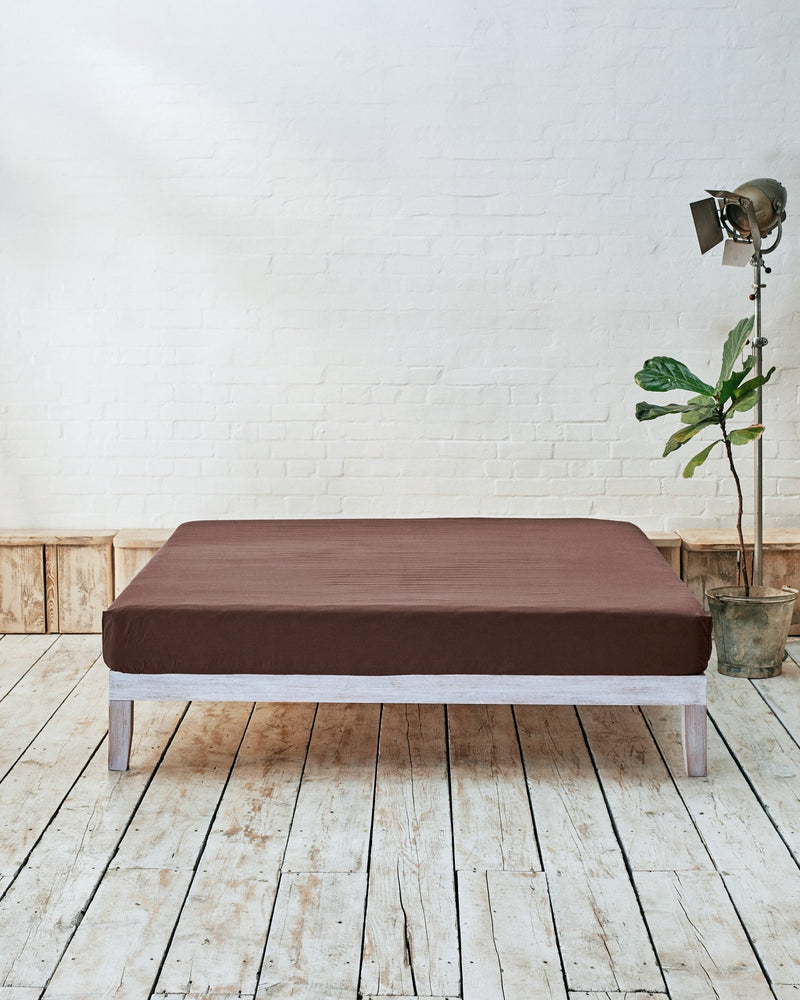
x: 742, y: 218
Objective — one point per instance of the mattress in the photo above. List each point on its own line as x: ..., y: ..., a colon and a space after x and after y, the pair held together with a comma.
x: 557, y: 596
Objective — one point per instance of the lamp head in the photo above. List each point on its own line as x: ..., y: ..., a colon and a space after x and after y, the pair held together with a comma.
x: 768, y: 200
x: 746, y: 214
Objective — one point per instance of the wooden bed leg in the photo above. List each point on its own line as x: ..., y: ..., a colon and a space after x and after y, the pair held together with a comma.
x: 120, y: 734
x: 694, y: 738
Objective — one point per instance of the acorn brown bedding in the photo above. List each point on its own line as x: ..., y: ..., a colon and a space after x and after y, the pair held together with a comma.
x: 559, y: 596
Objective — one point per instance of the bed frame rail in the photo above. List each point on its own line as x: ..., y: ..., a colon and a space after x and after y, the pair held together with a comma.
x: 466, y: 689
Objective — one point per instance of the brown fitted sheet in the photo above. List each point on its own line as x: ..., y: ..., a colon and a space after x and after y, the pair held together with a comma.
x: 407, y: 596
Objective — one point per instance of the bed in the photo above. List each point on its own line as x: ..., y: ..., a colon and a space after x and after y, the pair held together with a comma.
x: 446, y: 610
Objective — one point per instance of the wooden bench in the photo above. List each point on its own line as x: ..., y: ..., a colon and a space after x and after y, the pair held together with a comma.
x: 710, y: 557
x: 481, y: 611
x: 55, y: 581
x: 133, y: 550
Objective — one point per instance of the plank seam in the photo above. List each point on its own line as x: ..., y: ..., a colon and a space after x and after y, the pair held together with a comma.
x: 115, y: 849
x: 453, y: 849
x: 537, y: 841
x: 54, y: 638
x: 774, y: 712
x: 675, y: 785
x: 52, y: 819
x: 720, y: 874
x: 752, y: 787
x: 494, y: 936
x: 536, y: 838
x: 113, y: 853
x: 50, y: 717
x: 289, y: 825
x: 369, y: 855
x: 621, y: 845
x: 200, y: 852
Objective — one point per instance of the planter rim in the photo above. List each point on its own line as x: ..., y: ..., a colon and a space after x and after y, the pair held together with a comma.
x: 758, y: 595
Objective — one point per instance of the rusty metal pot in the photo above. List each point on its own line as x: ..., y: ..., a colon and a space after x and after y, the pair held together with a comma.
x: 750, y: 632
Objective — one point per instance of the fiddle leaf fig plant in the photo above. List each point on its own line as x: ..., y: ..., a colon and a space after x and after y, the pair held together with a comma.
x: 710, y: 406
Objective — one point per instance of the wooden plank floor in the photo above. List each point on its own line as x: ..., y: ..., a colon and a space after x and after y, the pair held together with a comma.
x: 343, y: 852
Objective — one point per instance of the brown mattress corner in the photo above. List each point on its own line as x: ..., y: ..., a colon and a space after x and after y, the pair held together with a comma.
x: 444, y: 595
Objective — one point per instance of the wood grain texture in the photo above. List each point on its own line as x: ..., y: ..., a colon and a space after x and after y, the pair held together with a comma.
x: 119, y: 945
x: 649, y: 815
x: 710, y: 539
x: 22, y: 588
x: 492, y: 822
x: 420, y: 689
x: 668, y: 544
x: 411, y: 937
x: 18, y: 655
x: 85, y: 586
x: 701, y: 944
x: 27, y: 707
x: 47, y: 900
x: 746, y: 849
x: 201, y: 996
x: 507, y: 931
x: 694, y: 736
x: 127, y: 563
x: 330, y: 829
x: 55, y: 536
x: 141, y: 538
x: 710, y: 560
x: 133, y: 550
x: 117, y: 948
x: 605, y: 995
x: 51, y: 602
x: 211, y: 810
x: 604, y: 941
x: 314, y: 943
x: 238, y: 872
x: 120, y: 734
x: 765, y: 750
x: 172, y: 821
x: 38, y: 782
x: 782, y: 693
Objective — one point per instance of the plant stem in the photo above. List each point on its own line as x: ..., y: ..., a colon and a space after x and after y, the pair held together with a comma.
x: 742, y: 552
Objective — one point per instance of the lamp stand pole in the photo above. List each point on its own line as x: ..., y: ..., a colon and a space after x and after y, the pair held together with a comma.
x: 758, y: 479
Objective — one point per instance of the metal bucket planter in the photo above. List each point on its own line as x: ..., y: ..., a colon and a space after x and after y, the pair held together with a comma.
x: 750, y: 632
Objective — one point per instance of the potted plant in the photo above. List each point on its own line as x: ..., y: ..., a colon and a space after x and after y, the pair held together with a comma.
x: 750, y: 623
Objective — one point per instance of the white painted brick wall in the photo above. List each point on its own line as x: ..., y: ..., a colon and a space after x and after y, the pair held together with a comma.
x: 318, y: 259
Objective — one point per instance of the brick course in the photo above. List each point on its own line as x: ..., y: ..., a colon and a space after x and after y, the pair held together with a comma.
x: 355, y: 259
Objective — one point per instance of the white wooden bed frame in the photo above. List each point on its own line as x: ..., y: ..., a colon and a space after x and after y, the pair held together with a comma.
x: 689, y: 692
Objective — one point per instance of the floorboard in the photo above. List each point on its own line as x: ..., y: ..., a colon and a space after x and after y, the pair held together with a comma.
x: 241, y: 860
x: 356, y: 852
x: 411, y: 934
x: 603, y: 937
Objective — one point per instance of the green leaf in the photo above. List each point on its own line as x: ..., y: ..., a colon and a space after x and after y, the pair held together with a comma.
x: 753, y: 383
x: 698, y: 459
x: 745, y: 396
x: 662, y: 374
x: 680, y: 437
x: 737, y: 338
x: 746, y: 434
x: 729, y: 386
x: 649, y: 411
x: 743, y: 403
x: 695, y: 414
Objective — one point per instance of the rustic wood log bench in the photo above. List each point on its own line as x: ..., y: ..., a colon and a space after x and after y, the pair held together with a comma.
x: 466, y: 610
